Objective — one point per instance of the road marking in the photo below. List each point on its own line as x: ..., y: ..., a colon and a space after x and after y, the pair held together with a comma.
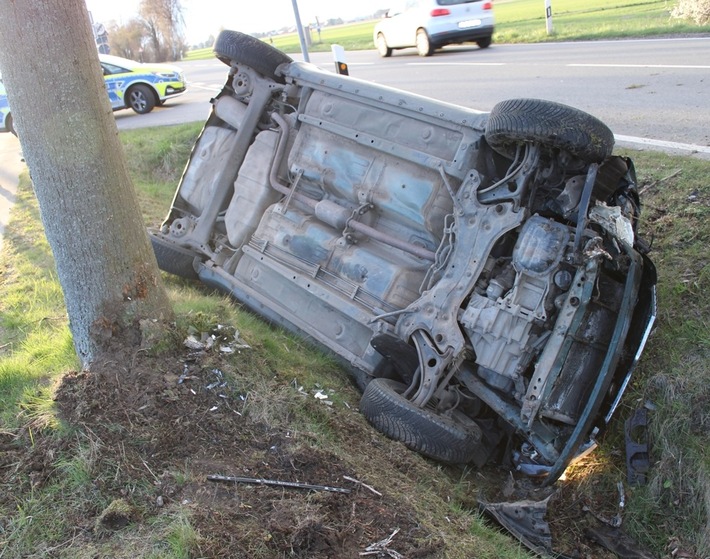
x: 693, y: 148
x: 456, y: 63
x: 207, y: 86
x: 674, y: 66
x: 684, y: 66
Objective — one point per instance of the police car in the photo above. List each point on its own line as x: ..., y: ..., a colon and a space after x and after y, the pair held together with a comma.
x: 5, y: 116
x: 130, y: 85
x: 137, y: 86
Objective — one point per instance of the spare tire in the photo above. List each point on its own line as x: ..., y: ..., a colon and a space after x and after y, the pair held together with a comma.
x: 452, y: 439
x: 516, y: 121
x: 233, y: 47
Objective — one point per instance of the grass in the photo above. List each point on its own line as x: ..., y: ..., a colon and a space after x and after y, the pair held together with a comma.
x: 523, y: 21
x: 675, y: 373
x: 36, y: 350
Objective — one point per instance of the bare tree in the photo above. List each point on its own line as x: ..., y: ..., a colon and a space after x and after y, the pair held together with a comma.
x: 70, y: 141
x: 127, y: 40
x: 163, y: 22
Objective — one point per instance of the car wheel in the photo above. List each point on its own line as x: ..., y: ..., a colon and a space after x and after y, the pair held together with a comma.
x: 424, y: 46
x: 485, y: 42
x: 382, y: 48
x: 233, y: 47
x: 173, y: 258
x: 454, y: 440
x: 10, y: 125
x: 516, y: 121
x: 141, y: 99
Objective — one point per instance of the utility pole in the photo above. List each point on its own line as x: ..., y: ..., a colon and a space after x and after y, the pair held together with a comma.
x: 301, y: 34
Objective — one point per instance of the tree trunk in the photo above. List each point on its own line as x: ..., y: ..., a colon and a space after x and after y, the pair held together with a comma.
x: 69, y: 139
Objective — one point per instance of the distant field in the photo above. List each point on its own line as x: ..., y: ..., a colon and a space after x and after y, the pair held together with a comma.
x: 523, y: 21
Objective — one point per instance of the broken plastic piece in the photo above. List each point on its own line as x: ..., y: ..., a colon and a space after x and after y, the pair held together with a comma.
x: 637, y: 452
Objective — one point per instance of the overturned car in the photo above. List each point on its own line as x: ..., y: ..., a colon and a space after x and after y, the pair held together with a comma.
x: 479, y: 274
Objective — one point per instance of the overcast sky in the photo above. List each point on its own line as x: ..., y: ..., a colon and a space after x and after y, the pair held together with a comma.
x: 206, y: 17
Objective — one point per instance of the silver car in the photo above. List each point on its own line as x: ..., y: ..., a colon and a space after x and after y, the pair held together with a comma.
x: 480, y: 275
x: 432, y: 24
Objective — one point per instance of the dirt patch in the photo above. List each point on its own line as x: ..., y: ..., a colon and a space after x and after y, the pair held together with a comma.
x: 156, y: 427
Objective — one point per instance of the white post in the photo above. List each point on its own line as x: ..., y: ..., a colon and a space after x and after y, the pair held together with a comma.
x: 548, y: 16
x: 341, y: 65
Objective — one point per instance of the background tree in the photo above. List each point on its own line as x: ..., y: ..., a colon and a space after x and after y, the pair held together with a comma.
x: 163, y: 21
x: 697, y: 10
x: 88, y: 205
x: 127, y: 40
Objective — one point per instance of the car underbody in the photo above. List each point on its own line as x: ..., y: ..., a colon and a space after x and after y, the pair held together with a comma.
x: 479, y: 274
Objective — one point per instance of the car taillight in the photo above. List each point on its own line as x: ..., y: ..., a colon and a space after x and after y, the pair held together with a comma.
x: 488, y: 5
x: 440, y: 12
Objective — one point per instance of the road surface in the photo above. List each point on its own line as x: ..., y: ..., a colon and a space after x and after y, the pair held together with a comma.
x: 653, y: 93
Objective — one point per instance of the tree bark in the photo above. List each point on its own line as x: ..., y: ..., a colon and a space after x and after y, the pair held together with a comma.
x: 69, y: 139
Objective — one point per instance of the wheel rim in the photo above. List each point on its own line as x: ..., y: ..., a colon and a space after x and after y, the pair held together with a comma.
x: 422, y: 43
x: 381, y: 45
x: 138, y: 100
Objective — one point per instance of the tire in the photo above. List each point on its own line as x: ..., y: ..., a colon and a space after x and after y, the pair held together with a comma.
x: 439, y: 437
x: 555, y: 125
x: 424, y: 46
x: 173, y: 258
x: 382, y: 48
x: 10, y: 125
x: 485, y: 42
x: 140, y: 98
x: 233, y: 47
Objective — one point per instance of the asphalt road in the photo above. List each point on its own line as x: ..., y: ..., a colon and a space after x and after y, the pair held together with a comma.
x: 11, y: 166
x: 653, y: 92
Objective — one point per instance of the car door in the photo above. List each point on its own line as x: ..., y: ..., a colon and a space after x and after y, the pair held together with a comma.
x: 115, y: 79
x: 401, y: 24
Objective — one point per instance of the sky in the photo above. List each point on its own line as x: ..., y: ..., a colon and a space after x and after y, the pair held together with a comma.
x: 207, y: 17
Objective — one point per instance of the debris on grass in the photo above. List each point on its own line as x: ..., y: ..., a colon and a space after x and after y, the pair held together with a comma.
x: 381, y: 548
x: 277, y: 483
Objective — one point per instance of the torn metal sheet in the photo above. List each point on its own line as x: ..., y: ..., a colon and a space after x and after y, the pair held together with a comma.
x: 526, y: 521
